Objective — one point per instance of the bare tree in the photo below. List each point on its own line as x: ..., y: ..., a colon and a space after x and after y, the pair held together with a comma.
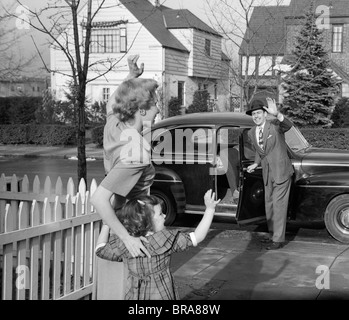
x: 59, y: 21
x: 232, y: 20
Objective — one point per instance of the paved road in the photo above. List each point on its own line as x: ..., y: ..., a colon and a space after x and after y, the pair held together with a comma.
x: 54, y: 168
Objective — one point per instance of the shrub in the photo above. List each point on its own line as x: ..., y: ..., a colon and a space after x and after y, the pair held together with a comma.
x: 200, y: 102
x: 340, y: 115
x: 97, y: 135
x: 19, y: 110
x: 38, y: 134
x: 174, y: 107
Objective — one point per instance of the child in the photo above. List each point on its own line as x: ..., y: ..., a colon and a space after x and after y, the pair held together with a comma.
x: 151, y: 278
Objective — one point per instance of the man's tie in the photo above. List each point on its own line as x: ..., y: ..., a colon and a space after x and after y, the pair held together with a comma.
x: 260, y: 137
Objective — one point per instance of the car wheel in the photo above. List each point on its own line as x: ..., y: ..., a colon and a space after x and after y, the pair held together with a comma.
x: 167, y: 207
x: 337, y: 218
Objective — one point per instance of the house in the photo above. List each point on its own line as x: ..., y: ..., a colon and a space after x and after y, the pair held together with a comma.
x: 268, y: 43
x: 22, y: 86
x: 178, y: 50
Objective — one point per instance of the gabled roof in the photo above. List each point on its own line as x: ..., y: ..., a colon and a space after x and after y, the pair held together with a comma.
x: 158, y: 21
x: 153, y: 20
x: 266, y: 34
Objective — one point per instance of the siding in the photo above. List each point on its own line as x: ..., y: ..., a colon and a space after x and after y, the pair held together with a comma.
x: 176, y: 62
x: 139, y: 41
x: 203, y: 65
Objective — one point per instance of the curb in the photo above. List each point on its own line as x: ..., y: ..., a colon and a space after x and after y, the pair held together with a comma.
x: 65, y: 156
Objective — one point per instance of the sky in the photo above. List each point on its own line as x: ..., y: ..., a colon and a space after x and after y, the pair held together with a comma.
x: 30, y: 39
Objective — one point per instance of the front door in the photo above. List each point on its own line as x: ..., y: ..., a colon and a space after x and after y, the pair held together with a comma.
x: 251, y: 208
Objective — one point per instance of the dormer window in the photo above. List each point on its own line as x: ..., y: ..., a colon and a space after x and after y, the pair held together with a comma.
x: 108, y: 37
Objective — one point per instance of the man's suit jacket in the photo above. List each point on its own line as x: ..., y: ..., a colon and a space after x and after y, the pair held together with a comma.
x: 273, y: 157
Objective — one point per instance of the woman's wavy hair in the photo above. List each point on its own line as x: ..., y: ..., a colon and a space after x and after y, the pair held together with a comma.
x: 132, y: 95
x: 137, y: 215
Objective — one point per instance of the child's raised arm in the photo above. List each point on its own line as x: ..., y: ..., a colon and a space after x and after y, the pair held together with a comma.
x: 205, y: 223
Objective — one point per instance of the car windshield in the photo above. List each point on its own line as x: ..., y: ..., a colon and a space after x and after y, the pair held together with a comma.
x: 295, y: 140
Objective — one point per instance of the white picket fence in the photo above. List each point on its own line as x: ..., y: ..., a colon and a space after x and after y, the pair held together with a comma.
x: 47, y: 239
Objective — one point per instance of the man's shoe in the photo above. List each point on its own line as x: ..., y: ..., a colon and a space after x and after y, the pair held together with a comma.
x: 275, y: 246
x: 266, y: 240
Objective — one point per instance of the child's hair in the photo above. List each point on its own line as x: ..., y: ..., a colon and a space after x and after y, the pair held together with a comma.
x: 136, y: 215
x: 132, y: 95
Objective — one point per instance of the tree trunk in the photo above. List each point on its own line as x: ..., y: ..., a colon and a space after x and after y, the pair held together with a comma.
x: 82, y: 168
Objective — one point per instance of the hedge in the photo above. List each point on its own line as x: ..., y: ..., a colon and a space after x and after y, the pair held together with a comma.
x: 38, y: 134
x: 66, y: 135
x: 321, y: 138
x: 327, y: 138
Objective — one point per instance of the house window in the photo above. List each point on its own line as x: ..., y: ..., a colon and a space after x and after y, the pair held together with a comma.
x: 108, y: 40
x: 337, y: 38
x: 181, y: 92
x: 345, y: 90
x: 265, y: 66
x: 205, y: 86
x: 106, y: 93
x: 250, y: 63
x: 208, y: 47
x: 215, y: 91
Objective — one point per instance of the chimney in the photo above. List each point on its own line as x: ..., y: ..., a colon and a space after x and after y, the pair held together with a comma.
x: 155, y: 3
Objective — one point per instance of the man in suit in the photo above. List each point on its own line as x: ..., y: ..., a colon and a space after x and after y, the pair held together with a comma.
x: 268, y: 137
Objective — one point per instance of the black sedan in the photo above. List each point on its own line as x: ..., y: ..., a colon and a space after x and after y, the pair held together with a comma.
x: 188, y: 153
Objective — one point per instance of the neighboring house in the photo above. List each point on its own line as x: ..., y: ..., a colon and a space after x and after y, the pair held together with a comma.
x: 178, y: 50
x: 282, y: 24
x: 22, y: 86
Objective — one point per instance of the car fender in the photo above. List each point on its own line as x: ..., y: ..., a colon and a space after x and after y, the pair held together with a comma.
x: 169, y: 182
x: 313, y: 193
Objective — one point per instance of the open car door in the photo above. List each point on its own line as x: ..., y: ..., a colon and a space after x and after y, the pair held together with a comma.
x: 251, y: 207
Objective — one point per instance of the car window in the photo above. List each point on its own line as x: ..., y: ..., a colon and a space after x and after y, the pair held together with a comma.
x: 186, y: 143
x: 249, y: 149
x: 295, y: 140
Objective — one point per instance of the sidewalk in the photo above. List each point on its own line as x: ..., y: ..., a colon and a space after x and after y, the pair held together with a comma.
x: 234, y: 265
x: 52, y: 152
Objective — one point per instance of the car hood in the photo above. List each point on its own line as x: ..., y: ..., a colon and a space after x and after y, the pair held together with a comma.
x: 316, y: 160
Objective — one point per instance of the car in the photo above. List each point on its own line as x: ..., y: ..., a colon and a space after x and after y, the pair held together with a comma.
x: 187, y: 153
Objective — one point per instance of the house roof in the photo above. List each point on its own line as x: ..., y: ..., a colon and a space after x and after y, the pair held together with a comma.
x: 340, y: 8
x: 184, y: 19
x: 267, y: 24
x: 266, y: 35
x: 153, y: 20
